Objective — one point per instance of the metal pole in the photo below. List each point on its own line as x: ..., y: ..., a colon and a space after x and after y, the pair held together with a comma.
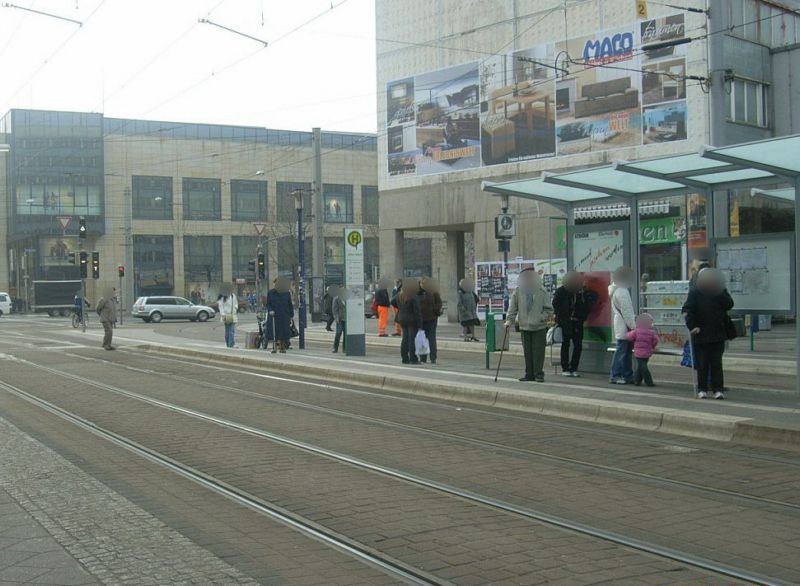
x: 318, y: 218
x: 83, y: 305
x: 797, y: 283
x: 301, y: 246
x: 121, y: 299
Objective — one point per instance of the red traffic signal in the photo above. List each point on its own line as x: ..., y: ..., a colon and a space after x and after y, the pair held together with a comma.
x: 121, y: 271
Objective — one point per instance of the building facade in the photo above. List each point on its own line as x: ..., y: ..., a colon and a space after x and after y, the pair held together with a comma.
x: 178, y: 205
x: 497, y: 91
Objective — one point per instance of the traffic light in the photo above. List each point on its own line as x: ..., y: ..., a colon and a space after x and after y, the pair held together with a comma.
x: 251, y: 265
x: 262, y: 266
x: 71, y: 258
x: 121, y: 271
x: 82, y: 228
x: 84, y: 256
x: 95, y: 265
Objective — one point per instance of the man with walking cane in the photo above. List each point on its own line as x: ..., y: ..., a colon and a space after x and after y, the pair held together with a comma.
x: 530, y: 308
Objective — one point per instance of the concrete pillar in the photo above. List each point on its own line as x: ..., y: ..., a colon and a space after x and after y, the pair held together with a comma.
x: 180, y: 281
x: 227, y: 259
x: 453, y: 272
x: 392, y: 256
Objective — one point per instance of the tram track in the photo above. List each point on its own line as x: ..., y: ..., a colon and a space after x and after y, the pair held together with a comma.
x: 492, y: 446
x: 633, y: 543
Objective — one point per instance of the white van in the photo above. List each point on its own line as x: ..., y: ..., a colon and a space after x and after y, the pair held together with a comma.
x: 5, y: 303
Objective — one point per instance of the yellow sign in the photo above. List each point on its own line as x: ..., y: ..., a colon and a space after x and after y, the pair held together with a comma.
x: 354, y: 238
x: 641, y: 8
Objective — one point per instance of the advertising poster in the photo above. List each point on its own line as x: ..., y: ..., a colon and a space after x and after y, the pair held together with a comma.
x: 599, y: 106
x: 698, y: 235
x: 518, y: 106
x: 489, y: 278
x: 447, y: 120
x: 55, y: 251
x: 595, y: 251
x: 401, y: 126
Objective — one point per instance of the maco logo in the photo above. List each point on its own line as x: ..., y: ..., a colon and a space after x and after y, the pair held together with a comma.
x: 613, y: 47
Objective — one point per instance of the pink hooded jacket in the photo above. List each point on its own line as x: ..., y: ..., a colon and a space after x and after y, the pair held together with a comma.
x: 644, y: 337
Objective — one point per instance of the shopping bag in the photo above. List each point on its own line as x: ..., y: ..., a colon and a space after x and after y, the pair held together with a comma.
x: 554, y: 336
x: 686, y: 359
x: 421, y: 344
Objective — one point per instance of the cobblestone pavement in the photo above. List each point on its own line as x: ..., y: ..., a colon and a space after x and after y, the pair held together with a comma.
x: 453, y: 539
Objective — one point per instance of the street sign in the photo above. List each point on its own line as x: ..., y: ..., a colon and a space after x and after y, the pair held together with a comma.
x: 354, y: 282
x: 260, y: 227
x: 641, y: 8
x: 64, y: 221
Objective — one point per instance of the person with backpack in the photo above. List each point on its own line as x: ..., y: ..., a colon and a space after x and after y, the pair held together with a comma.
x: 624, y: 320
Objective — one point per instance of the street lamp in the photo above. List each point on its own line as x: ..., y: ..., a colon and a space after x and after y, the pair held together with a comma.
x: 301, y: 245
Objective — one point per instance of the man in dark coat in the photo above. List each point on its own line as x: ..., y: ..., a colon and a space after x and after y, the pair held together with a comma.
x: 327, y: 307
x: 281, y: 312
x: 572, y: 304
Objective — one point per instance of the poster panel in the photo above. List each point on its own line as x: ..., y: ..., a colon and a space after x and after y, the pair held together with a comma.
x: 447, y: 120
x: 55, y: 251
x: 400, y: 131
x: 599, y: 106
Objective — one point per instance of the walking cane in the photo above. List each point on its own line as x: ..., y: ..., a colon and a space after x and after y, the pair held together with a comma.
x: 502, y: 349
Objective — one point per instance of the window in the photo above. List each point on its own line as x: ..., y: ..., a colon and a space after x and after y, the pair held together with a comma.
x: 762, y: 22
x: 748, y: 102
x: 244, y: 249
x: 286, y: 201
x: 152, y: 197
x: 201, y: 199
x: 153, y: 265
x: 248, y: 201
x: 202, y: 259
x: 369, y: 205
x: 338, y: 202
x: 371, y: 260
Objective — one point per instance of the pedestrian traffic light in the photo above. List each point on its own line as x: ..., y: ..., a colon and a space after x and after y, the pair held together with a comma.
x: 251, y: 265
x: 262, y: 266
x: 84, y: 256
x: 121, y: 271
x: 71, y: 258
x: 95, y: 265
x: 82, y: 228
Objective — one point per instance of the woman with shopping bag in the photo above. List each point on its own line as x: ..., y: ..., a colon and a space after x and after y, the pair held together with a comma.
x: 409, y: 316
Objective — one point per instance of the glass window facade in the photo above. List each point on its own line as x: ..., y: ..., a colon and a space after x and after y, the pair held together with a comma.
x: 288, y: 257
x: 153, y: 265
x: 243, y: 250
x: 369, y: 205
x: 757, y: 215
x: 202, y: 199
x: 152, y: 197
x: 248, y: 200
x: 202, y: 259
x: 338, y: 202
x: 285, y: 200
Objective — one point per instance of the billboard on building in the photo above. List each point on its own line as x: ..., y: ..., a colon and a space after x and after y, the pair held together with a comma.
x: 596, y: 92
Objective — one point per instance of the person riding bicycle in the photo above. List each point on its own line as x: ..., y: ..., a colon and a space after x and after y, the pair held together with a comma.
x: 78, y: 304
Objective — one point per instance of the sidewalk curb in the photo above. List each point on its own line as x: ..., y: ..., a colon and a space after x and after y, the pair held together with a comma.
x: 725, y: 428
x: 730, y: 363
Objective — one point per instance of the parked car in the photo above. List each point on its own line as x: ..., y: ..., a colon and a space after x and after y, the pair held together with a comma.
x: 155, y: 309
x: 5, y: 303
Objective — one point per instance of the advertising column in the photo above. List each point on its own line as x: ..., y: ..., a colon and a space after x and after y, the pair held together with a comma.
x: 354, y: 283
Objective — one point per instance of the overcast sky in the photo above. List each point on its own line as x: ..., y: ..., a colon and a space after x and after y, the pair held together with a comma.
x: 151, y: 59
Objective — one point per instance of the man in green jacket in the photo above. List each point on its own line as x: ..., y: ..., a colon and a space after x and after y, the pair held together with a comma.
x: 530, y: 308
x: 107, y: 311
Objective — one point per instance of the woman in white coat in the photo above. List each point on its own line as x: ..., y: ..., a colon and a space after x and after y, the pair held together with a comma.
x: 624, y: 318
x: 228, y: 315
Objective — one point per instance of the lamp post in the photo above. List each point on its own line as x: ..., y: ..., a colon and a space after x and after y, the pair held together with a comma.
x: 301, y: 245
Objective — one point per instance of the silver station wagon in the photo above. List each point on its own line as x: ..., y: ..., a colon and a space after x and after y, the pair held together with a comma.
x: 155, y: 309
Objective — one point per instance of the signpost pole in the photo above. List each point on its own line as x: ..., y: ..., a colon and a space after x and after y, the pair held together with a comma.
x: 121, y: 300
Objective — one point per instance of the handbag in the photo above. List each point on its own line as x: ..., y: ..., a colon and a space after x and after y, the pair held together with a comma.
x: 731, y: 333
x: 555, y: 335
x: 293, y: 333
x: 421, y: 344
x: 227, y: 320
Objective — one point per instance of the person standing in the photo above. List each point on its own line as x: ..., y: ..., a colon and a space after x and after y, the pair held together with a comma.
x: 706, y: 312
x: 383, y: 302
x: 327, y: 307
x: 572, y: 303
x: 624, y: 319
x: 645, y: 341
x: 468, y: 309
x: 409, y: 316
x: 398, y: 286
x: 228, y: 305
x: 339, y: 309
x: 107, y: 311
x: 530, y: 308
x: 281, y: 312
x: 431, y: 305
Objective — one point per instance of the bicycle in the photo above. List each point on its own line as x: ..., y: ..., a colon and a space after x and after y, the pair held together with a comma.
x: 76, y: 319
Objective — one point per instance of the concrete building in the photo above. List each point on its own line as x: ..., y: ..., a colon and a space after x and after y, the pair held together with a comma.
x: 496, y: 91
x: 176, y: 204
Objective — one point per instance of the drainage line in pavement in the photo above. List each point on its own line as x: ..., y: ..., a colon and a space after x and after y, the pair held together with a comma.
x: 575, y: 527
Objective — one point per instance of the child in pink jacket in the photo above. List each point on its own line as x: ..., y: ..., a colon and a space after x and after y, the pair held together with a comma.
x: 645, y: 342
